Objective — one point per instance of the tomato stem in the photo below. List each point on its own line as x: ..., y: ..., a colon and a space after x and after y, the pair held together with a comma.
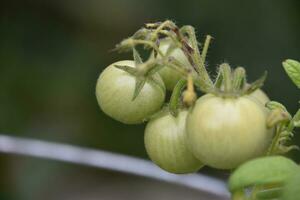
x: 205, y: 47
x: 196, y: 56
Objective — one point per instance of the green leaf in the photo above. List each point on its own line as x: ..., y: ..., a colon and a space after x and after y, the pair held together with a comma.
x: 292, y: 68
x: 139, y: 84
x: 136, y: 57
x: 291, y: 190
x: 262, y: 171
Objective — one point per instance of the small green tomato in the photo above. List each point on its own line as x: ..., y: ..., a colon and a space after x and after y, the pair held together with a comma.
x: 165, y: 142
x: 115, y: 89
x: 224, y: 132
x: 171, y: 76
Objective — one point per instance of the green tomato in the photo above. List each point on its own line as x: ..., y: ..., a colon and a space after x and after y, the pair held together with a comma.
x: 115, y: 89
x: 169, y: 75
x: 165, y: 142
x: 260, y: 96
x: 225, y: 132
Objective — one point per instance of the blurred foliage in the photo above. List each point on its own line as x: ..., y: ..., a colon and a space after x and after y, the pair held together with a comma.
x: 51, y: 53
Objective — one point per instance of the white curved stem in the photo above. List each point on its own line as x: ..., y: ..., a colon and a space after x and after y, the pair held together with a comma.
x: 109, y: 161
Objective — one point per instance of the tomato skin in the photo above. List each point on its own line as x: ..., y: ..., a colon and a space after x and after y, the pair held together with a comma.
x: 171, y: 76
x: 261, y: 96
x: 165, y: 142
x: 115, y: 89
x: 225, y: 132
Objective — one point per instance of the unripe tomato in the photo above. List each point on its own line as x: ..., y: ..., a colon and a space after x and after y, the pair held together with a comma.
x: 165, y: 142
x: 260, y: 96
x: 225, y: 132
x: 115, y: 89
x: 171, y: 76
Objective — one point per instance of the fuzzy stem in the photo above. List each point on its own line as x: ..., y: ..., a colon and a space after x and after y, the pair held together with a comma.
x: 219, y: 80
x: 205, y: 47
x: 125, y: 44
x: 165, y: 24
x: 196, y: 56
x: 175, y: 97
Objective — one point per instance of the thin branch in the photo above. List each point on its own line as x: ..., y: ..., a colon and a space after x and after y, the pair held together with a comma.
x: 109, y: 161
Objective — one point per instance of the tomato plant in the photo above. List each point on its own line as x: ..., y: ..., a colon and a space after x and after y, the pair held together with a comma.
x: 232, y: 123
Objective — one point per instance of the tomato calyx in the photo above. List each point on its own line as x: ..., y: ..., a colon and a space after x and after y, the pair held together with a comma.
x: 233, y: 83
x: 143, y: 72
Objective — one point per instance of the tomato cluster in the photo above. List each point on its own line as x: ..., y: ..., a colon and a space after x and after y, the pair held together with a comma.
x: 222, y: 129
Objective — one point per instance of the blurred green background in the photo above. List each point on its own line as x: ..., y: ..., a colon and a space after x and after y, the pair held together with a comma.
x: 51, y: 53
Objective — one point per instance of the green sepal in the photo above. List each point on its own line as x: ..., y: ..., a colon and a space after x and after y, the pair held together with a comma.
x: 271, y: 170
x: 277, y: 116
x: 175, y: 97
x: 130, y: 70
x: 154, y: 69
x: 219, y: 80
x: 139, y: 84
x: 152, y: 79
x: 239, y: 78
x: 275, y: 105
x: 257, y: 84
x: 124, y: 45
x: 282, y: 149
x: 136, y: 57
x: 292, y: 68
x: 141, y: 33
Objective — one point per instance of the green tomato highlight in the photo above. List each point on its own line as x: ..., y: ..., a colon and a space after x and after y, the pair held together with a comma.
x: 165, y: 143
x: 115, y: 89
x: 169, y: 75
x: 225, y: 132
